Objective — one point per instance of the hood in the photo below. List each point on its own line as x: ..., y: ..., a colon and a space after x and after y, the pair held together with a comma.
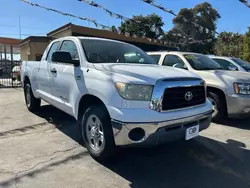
x: 143, y: 73
x: 223, y: 79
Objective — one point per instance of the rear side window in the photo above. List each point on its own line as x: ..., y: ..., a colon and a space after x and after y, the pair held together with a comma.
x: 155, y: 58
x: 53, y: 48
x: 70, y: 46
x: 171, y: 60
x: 224, y: 63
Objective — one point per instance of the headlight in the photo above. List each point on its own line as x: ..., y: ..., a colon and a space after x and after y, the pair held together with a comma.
x: 242, y: 88
x: 134, y: 91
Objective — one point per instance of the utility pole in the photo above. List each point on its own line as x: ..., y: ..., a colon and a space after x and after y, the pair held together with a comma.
x: 20, y: 31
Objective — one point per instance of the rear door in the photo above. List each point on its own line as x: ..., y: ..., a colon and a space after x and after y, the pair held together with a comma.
x: 63, y: 79
x: 44, y: 74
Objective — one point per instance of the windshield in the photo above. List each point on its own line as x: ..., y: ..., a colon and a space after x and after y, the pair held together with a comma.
x: 103, y: 51
x: 201, y: 62
x: 155, y: 58
x: 242, y: 63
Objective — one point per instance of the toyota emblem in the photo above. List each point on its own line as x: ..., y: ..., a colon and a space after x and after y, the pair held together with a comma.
x: 189, y: 96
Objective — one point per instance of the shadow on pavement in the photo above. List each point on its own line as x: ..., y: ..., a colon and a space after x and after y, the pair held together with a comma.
x: 238, y: 123
x: 197, y: 163
x: 63, y: 122
x: 201, y: 162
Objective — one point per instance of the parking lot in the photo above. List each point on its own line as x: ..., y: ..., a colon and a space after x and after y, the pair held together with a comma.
x: 42, y: 150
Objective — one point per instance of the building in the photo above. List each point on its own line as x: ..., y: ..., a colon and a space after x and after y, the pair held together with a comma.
x: 33, y: 47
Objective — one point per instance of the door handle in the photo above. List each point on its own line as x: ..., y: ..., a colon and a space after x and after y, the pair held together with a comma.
x: 53, y: 70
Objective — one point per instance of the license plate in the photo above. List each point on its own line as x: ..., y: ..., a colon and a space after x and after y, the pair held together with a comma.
x: 192, y: 132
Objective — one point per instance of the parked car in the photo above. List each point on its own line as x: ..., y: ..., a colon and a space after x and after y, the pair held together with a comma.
x: 229, y: 91
x: 118, y: 95
x: 232, y: 63
x: 16, y: 73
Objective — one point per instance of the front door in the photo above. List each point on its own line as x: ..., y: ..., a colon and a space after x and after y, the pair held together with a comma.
x: 63, y: 79
x: 44, y: 74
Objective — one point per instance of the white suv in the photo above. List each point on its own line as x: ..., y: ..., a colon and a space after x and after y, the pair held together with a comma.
x: 229, y: 91
x: 231, y: 63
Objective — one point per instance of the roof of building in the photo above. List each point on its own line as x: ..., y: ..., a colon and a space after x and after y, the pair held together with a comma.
x: 6, y: 43
x: 35, y: 39
x: 9, y: 41
x: 91, y: 32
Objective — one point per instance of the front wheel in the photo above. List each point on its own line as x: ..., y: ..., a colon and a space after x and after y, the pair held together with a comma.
x: 32, y: 103
x: 96, y: 132
x: 219, y: 107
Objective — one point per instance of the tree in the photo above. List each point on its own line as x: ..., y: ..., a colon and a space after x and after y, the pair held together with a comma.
x: 229, y: 44
x: 246, y: 46
x: 196, y: 28
x: 149, y: 26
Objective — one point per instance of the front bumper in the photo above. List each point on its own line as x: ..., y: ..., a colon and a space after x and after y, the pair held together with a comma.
x: 238, y: 106
x: 158, y: 132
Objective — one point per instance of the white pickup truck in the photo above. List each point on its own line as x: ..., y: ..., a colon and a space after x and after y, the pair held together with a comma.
x: 118, y: 95
x: 229, y: 91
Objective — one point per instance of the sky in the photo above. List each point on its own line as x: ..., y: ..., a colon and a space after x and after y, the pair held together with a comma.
x: 36, y: 21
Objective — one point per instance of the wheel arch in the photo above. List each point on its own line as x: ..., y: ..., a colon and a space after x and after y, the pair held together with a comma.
x: 26, y: 80
x: 220, y: 92
x: 86, y: 101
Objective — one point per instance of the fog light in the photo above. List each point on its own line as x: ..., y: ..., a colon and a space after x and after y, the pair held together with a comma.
x: 136, y: 134
x: 246, y: 110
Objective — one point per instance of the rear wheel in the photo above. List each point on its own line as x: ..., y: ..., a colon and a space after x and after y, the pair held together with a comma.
x: 96, y: 132
x: 32, y: 103
x: 219, y: 107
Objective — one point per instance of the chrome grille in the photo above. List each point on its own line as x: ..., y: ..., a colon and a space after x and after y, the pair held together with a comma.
x: 183, y: 97
x: 169, y: 94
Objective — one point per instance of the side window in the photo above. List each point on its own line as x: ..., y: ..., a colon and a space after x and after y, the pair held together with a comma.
x: 155, y: 58
x: 53, y: 48
x: 70, y: 46
x: 224, y: 63
x: 171, y: 60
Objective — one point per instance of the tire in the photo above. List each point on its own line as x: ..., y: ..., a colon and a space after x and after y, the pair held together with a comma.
x: 32, y: 103
x: 219, y: 107
x: 102, y: 124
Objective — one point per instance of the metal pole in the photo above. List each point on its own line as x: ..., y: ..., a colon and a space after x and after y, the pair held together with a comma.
x: 5, y: 68
x: 20, y: 31
x: 11, y: 58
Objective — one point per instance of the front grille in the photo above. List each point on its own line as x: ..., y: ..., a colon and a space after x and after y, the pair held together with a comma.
x: 174, y: 98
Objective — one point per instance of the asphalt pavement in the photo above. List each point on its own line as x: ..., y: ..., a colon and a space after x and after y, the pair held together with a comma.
x: 42, y: 150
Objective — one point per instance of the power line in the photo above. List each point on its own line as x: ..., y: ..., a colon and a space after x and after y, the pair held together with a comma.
x: 3, y: 25
x: 159, y: 7
x: 68, y: 14
x: 85, y: 19
x: 150, y: 2
x: 111, y: 13
x: 22, y: 34
x: 245, y: 2
x: 124, y: 18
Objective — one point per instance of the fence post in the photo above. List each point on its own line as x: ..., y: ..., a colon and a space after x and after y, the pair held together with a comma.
x: 11, y: 59
x: 5, y: 64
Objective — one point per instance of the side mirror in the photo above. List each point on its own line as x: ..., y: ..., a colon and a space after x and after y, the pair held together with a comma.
x: 64, y: 57
x: 232, y: 68
x: 180, y: 66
